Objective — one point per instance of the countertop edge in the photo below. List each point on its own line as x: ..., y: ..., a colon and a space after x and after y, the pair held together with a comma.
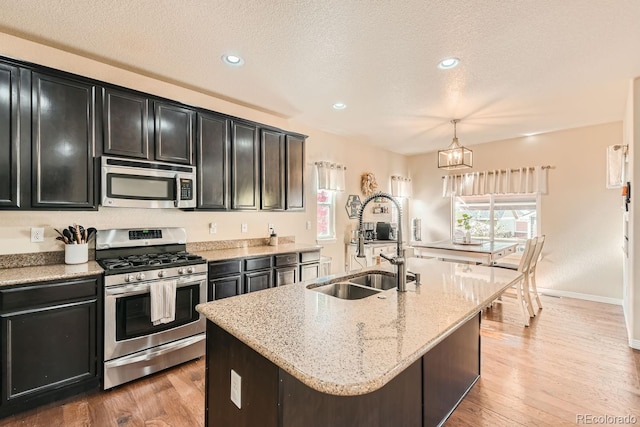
x: 365, y: 387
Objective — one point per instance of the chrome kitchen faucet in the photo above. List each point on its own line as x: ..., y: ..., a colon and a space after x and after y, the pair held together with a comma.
x: 399, y: 259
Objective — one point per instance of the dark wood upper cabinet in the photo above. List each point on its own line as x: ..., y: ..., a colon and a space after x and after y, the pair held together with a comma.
x: 244, y: 166
x: 295, y: 172
x: 9, y: 136
x: 272, y: 157
x: 63, y: 143
x: 213, y: 161
x: 126, y: 123
x: 174, y: 126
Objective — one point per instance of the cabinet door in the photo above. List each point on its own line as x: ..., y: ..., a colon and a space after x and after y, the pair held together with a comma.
x: 272, y: 156
x: 213, y: 161
x: 295, y: 173
x: 244, y: 166
x: 225, y: 287
x: 48, y: 348
x: 309, y: 271
x: 257, y: 281
x: 286, y: 275
x: 63, y: 143
x: 9, y: 136
x: 173, y: 133
x: 126, y: 123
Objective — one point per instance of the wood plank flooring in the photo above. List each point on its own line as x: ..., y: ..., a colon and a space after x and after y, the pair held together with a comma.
x: 573, y: 360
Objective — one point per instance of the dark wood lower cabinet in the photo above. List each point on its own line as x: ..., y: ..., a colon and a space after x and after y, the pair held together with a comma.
x: 424, y: 394
x: 51, y: 340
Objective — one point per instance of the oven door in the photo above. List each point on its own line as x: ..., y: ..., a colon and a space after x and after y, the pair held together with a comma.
x: 128, y: 326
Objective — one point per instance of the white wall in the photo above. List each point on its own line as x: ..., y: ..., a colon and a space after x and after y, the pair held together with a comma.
x: 632, y: 263
x: 358, y: 157
x: 581, y: 218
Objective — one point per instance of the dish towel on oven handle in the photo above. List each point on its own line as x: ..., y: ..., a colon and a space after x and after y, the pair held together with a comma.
x: 163, y: 302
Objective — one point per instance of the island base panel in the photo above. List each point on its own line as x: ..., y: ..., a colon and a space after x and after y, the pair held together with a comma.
x: 397, y: 403
x: 424, y: 394
x: 259, y: 390
x: 449, y: 371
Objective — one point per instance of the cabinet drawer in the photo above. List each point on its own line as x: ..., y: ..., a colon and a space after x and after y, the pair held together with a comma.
x: 286, y: 259
x: 261, y: 263
x: 309, y: 256
x: 224, y: 268
x: 47, y: 293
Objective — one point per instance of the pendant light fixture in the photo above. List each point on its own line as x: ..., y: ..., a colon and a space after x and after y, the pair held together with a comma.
x: 455, y: 156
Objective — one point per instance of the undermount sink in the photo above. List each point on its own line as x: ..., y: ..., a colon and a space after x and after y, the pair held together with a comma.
x: 346, y: 290
x: 376, y: 281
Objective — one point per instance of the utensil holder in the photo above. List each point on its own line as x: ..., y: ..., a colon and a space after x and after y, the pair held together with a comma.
x: 76, y: 254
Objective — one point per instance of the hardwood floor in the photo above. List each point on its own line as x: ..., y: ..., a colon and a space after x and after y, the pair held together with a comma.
x: 572, y: 360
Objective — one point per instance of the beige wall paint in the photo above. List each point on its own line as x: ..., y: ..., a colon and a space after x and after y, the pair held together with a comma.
x: 632, y: 284
x: 15, y: 226
x: 581, y: 218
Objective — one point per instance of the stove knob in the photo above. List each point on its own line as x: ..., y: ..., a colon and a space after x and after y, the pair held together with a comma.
x: 181, y: 270
x: 140, y: 276
x: 160, y: 273
x: 190, y: 270
x: 129, y: 278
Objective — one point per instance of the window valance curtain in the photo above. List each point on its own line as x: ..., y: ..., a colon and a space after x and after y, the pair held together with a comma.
x: 499, y: 181
x: 330, y: 176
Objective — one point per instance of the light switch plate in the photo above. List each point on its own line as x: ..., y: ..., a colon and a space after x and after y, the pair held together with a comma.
x: 236, y: 389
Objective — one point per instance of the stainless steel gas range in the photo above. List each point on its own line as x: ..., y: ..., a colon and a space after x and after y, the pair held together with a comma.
x: 152, y: 286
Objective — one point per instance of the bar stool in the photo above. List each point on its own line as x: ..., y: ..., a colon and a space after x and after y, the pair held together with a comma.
x: 523, y: 297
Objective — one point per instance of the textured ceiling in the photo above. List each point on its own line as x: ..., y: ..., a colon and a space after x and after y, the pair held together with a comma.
x: 527, y: 66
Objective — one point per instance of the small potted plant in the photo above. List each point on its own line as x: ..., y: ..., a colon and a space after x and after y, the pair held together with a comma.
x: 465, y: 222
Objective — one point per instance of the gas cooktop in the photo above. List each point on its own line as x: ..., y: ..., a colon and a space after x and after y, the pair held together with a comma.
x: 144, y: 262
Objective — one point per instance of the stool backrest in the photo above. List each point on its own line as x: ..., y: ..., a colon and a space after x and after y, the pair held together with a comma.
x: 527, y: 255
x: 536, y: 252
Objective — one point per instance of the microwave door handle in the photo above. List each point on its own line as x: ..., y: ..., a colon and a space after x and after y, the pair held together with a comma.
x: 176, y: 200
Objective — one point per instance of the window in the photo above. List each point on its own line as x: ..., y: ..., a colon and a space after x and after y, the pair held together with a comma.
x: 326, y: 215
x: 498, y: 216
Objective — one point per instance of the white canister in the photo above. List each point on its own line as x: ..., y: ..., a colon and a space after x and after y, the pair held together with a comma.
x: 273, y: 240
x: 76, y: 254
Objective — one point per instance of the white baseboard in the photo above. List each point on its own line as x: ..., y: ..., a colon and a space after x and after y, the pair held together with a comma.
x: 577, y: 295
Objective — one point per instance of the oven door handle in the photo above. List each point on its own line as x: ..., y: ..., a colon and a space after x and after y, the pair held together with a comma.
x: 143, y: 288
x: 127, y: 360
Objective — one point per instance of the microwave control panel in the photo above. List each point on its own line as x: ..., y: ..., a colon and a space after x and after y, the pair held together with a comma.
x: 186, y: 189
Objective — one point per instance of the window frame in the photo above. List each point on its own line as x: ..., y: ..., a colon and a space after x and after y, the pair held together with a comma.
x: 492, y: 208
x: 331, y: 204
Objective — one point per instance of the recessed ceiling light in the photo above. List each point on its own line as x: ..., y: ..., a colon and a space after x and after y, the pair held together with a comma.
x: 339, y: 106
x: 232, y: 60
x: 447, y: 63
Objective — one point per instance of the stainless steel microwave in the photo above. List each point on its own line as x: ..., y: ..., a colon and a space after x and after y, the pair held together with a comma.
x: 142, y: 184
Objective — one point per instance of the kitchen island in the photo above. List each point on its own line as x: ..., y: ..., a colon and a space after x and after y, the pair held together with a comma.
x: 307, y: 358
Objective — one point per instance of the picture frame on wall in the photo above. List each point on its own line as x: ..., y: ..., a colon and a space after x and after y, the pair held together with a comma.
x: 353, y: 206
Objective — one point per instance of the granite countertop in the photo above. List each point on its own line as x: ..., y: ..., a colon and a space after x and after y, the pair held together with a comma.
x: 42, y: 273
x: 353, y: 347
x: 224, y: 254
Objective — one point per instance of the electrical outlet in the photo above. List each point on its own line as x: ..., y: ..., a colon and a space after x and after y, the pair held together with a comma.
x: 37, y: 234
x: 213, y: 228
x: 270, y: 228
x: 308, y: 225
x: 236, y: 389
x: 244, y: 228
